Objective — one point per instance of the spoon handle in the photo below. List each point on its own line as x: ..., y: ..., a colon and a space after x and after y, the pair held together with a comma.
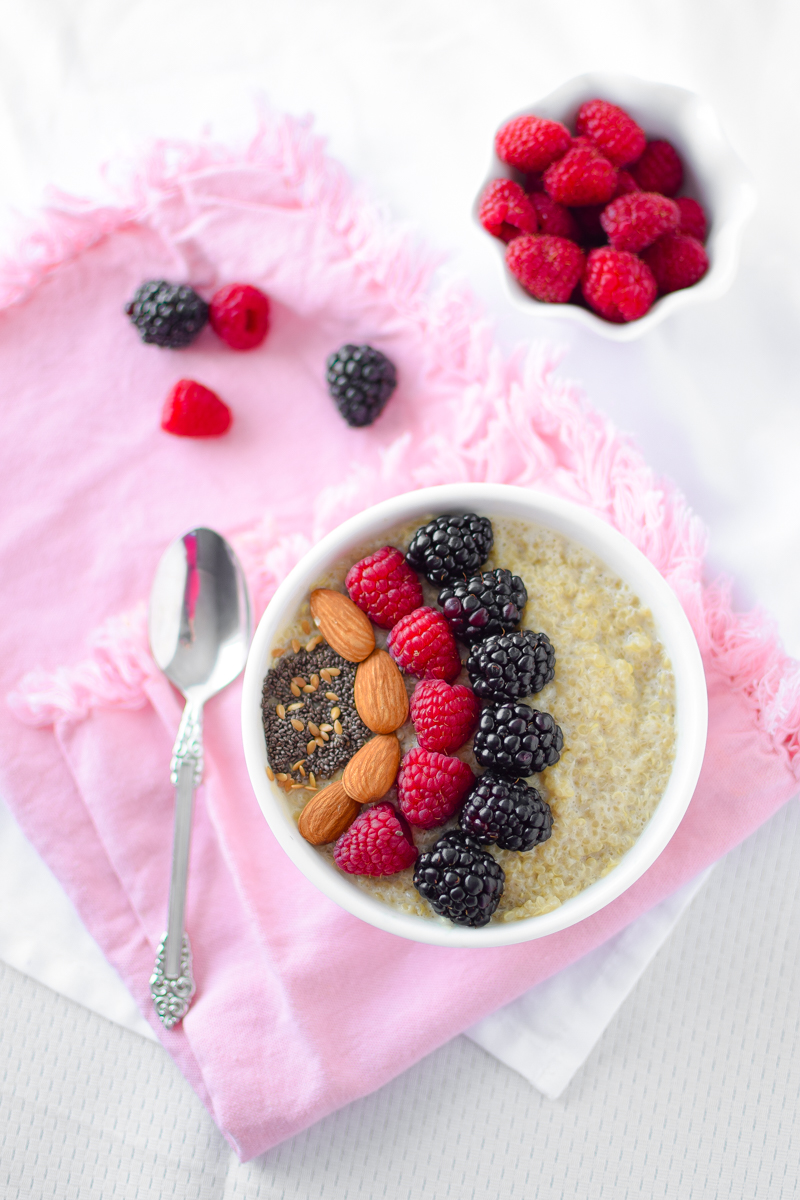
x: 172, y: 983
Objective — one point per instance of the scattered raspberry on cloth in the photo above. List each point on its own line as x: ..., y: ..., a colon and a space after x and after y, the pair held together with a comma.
x: 659, y: 169
x: 618, y: 285
x: 505, y: 211
x: 638, y: 219
x: 431, y: 786
x: 377, y: 843
x: 239, y: 314
x: 444, y: 715
x: 693, y: 218
x: 616, y: 134
x: 192, y: 410
x: 547, y: 267
x: 422, y: 643
x: 531, y: 143
x: 384, y: 586
x: 582, y: 176
x: 676, y: 261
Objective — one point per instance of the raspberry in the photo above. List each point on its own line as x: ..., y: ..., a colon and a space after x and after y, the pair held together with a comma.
x: 377, y: 843
x: 384, y: 587
x: 615, y: 133
x: 360, y: 380
x: 618, y: 285
x: 460, y: 879
x: 625, y: 184
x: 638, y: 219
x: 192, y: 410
x: 239, y: 314
x: 505, y: 211
x: 431, y: 786
x: 547, y: 267
x: 422, y: 644
x: 554, y: 218
x: 444, y: 715
x: 531, y: 143
x: 167, y: 314
x: 451, y: 547
x: 677, y: 261
x: 508, y: 813
x: 693, y: 218
x: 484, y: 605
x: 515, y: 740
x: 659, y: 169
x: 582, y: 176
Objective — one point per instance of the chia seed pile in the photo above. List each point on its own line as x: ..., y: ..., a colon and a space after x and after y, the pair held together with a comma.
x: 287, y: 746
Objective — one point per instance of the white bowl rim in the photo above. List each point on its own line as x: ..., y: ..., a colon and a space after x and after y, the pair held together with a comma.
x: 724, y: 257
x: 621, y: 556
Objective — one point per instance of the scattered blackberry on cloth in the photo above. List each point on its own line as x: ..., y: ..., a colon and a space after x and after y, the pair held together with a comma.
x: 167, y: 314
x: 516, y: 740
x: 448, y: 548
x: 361, y: 380
x: 460, y: 879
x: 508, y: 813
x: 509, y: 666
x: 486, y: 604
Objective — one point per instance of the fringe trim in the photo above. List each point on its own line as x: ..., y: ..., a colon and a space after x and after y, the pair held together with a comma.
x: 511, y: 421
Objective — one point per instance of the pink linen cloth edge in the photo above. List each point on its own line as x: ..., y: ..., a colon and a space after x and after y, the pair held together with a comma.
x: 471, y: 415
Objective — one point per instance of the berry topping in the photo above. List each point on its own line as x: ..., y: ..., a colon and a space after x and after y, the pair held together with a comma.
x: 192, y: 410
x: 511, y: 665
x: 515, y: 740
x: 444, y: 715
x: 460, y: 879
x: 582, y: 176
x: 450, y: 548
x: 384, y: 586
x: 638, y: 219
x: 360, y: 380
x: 531, y: 143
x: 611, y: 129
x: 422, y: 644
x: 431, y: 786
x: 484, y: 605
x: 167, y: 314
x: 659, y: 169
x: 693, y: 218
x: 677, y: 261
x: 505, y: 211
x: 508, y: 813
x: 239, y: 314
x: 618, y: 285
x: 377, y: 843
x: 554, y: 218
x: 547, y: 267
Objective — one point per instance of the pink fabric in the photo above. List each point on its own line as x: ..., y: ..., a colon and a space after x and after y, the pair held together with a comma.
x: 300, y: 1007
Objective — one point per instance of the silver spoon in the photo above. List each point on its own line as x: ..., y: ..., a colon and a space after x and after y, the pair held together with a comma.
x: 199, y: 628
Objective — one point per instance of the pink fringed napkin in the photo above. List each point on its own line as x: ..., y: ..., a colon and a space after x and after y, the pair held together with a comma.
x: 300, y: 1007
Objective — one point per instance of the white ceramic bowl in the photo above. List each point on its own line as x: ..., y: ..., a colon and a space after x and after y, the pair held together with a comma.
x: 492, y: 500
x: 713, y: 174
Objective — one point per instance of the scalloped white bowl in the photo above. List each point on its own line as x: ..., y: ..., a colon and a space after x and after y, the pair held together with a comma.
x: 713, y: 174
x: 621, y: 556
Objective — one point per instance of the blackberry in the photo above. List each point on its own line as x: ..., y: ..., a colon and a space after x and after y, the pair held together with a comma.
x: 515, y: 740
x: 448, y: 548
x: 484, y: 605
x: 361, y: 380
x: 167, y: 314
x: 508, y: 813
x: 460, y: 879
x: 509, y: 666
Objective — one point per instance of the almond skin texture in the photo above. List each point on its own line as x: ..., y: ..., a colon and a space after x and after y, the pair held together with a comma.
x: 380, y: 693
x: 327, y: 815
x: 373, y: 769
x: 343, y: 625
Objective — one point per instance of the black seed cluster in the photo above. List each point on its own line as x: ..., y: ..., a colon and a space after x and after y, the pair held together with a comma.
x: 167, y: 314
x: 360, y: 380
x: 460, y: 879
x: 287, y: 746
x: 506, y: 812
x: 515, y: 740
x: 486, y: 604
x: 511, y: 665
x: 449, y: 549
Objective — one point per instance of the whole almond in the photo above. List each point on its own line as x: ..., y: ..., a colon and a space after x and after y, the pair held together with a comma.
x: 373, y: 769
x: 327, y: 815
x: 343, y: 625
x: 380, y: 693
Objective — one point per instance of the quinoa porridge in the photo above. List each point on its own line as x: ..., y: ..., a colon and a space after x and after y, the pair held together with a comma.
x: 612, y: 695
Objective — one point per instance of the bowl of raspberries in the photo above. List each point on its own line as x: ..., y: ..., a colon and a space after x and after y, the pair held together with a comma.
x: 403, y: 704
x: 614, y: 202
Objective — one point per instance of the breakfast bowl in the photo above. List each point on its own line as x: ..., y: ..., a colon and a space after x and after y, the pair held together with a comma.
x: 585, y: 570
x: 713, y: 175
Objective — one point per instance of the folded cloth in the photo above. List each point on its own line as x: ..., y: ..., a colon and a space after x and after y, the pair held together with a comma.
x: 300, y: 1007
